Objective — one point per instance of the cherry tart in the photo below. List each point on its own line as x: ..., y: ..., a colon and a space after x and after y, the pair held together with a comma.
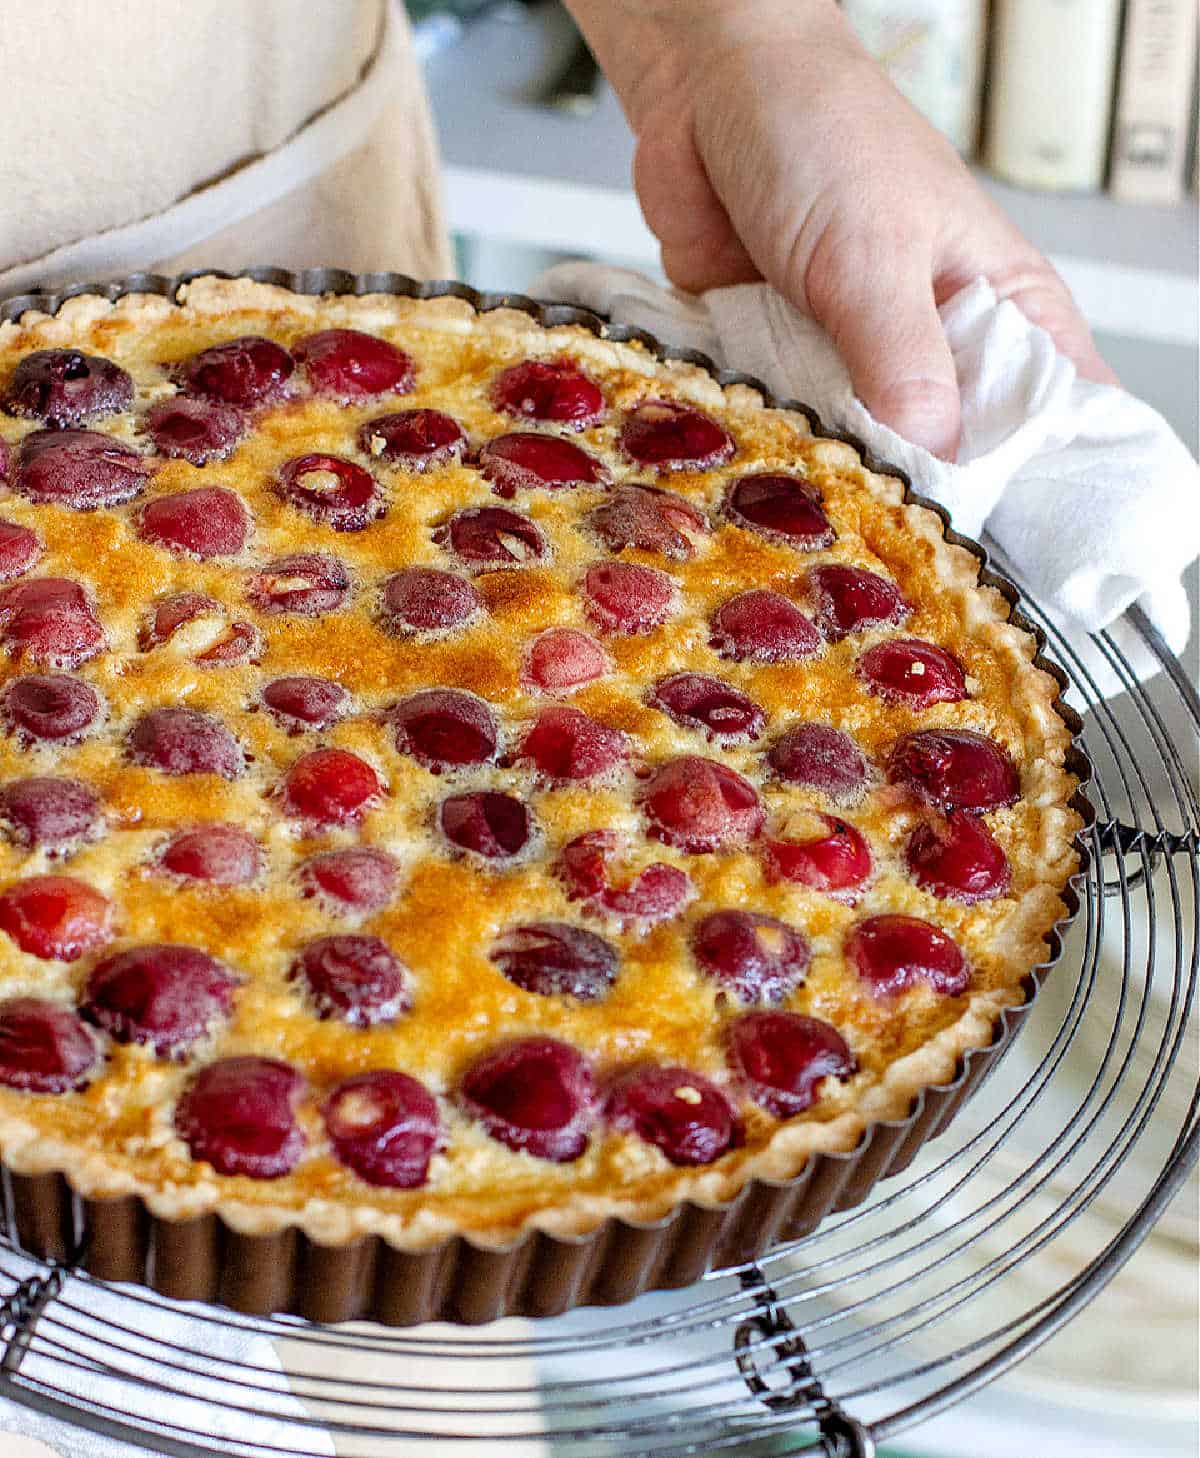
x: 460, y: 777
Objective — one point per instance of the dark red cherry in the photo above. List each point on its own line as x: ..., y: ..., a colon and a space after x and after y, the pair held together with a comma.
x: 44, y: 1048
x: 19, y: 549
x: 908, y: 671
x: 185, y: 742
x: 656, y: 894
x: 355, y: 879
x: 685, y: 1116
x: 444, y: 728
x: 851, y: 599
x: 226, y: 855
x: 548, y: 389
x: 244, y: 372
x: 556, y: 959
x: 958, y: 858
x: 833, y: 858
x: 193, y: 430
x: 169, y: 614
x: 822, y: 757
x: 207, y: 522
x: 347, y: 365
x: 669, y: 436
x: 51, y: 813
x: 330, y: 787
x: 650, y: 519
x: 699, y: 805
x: 81, y: 469
x: 785, y: 1057
x: 623, y: 597
x: 58, y: 918
x: 529, y: 461
x: 239, y: 1115
x: 385, y: 1127
x: 65, y: 387
x: 487, y: 538
x: 427, y: 600
x: 699, y: 701
x: 332, y: 490
x: 566, y: 744
x: 50, y: 620
x: 164, y: 995
x: 487, y: 822
x: 892, y: 953
x: 785, y: 509
x: 756, y: 958
x: 307, y: 583
x: 50, y: 706
x: 760, y: 626
x: 357, y: 979
x: 306, y: 703
x: 414, y: 440
x: 954, y: 769
x: 561, y: 660
x: 536, y: 1095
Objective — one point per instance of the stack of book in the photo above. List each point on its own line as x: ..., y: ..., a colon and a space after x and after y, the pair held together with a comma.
x: 1061, y: 94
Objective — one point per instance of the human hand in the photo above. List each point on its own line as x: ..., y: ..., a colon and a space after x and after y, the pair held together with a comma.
x: 771, y: 146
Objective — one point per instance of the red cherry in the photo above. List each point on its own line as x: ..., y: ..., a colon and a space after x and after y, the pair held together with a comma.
x: 385, y: 1127
x: 565, y: 744
x: 244, y: 372
x: 65, y: 387
x: 163, y: 995
x: 757, y: 958
x: 784, y: 509
x: 208, y: 522
x: 763, y: 627
x: 835, y: 859
x: 669, y: 436
x: 169, y: 614
x: 650, y: 519
x: 444, y: 728
x: 699, y: 805
x: 785, y: 1057
x: 821, y: 757
x: 656, y: 894
x: 44, y: 1048
x: 958, y: 858
x: 50, y: 706
x: 529, y: 461
x: 307, y: 583
x: 850, y: 600
x: 347, y: 365
x: 556, y: 959
x: 57, y: 918
x: 427, y: 600
x: 549, y: 389
x: 357, y: 979
x: 332, y: 490
x: 50, y: 620
x: 226, y: 855
x: 685, y: 1116
x: 355, y: 879
x: 623, y: 597
x: 330, y: 787
x: 413, y: 440
x: 954, y: 769
x: 198, y: 431
x: 52, y: 813
x: 908, y: 671
x: 19, y: 549
x: 306, y: 703
x: 536, y: 1095
x: 892, y: 953
x: 487, y: 822
x: 242, y: 643
x: 185, y: 742
x: 488, y: 538
x: 80, y: 469
x: 698, y: 701
x: 239, y: 1115
x: 561, y: 660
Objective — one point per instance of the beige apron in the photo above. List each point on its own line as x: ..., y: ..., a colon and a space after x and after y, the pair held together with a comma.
x: 236, y: 132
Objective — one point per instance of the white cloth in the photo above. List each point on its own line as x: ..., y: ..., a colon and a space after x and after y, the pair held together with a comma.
x: 1086, y: 490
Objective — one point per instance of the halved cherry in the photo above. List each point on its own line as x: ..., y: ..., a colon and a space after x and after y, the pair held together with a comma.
x: 655, y: 894
x: 822, y: 757
x: 556, y: 959
x: 536, y: 1095
x: 19, y: 549
x: 348, y: 365
x: 908, y: 671
x: 755, y: 957
x: 385, y: 1127
x: 185, y: 742
x: 50, y: 620
x: 785, y: 509
x: 226, y: 855
x: 245, y: 372
x: 357, y: 979
x: 699, y: 701
x: 427, y: 600
x: 330, y: 787
x: 80, y: 469
x: 307, y: 583
x: 44, y: 1048
x: 163, y: 995
x: 650, y: 519
x: 54, y: 814
x: 700, y: 805
x: 785, y: 1057
x: 207, y: 522
x: 58, y: 918
x: 527, y: 460
x: 194, y: 430
x: 50, y: 707
x: 488, y: 538
x: 893, y: 953
x: 624, y: 597
x: 487, y: 822
x: 561, y: 660
x: 239, y: 1115
x: 549, y: 389
x: 670, y: 436
x: 302, y: 703
x: 65, y: 387
x: 358, y: 878
x: 685, y: 1116
x: 414, y: 440
x: 171, y: 613
x: 954, y: 769
x: 958, y: 858
x: 332, y: 490
x: 851, y: 599
x: 761, y: 626
x: 444, y: 728
x: 821, y: 852
x: 567, y: 744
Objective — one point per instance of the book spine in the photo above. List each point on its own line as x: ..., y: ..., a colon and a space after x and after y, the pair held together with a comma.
x: 1154, y: 101
x: 1050, y: 91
